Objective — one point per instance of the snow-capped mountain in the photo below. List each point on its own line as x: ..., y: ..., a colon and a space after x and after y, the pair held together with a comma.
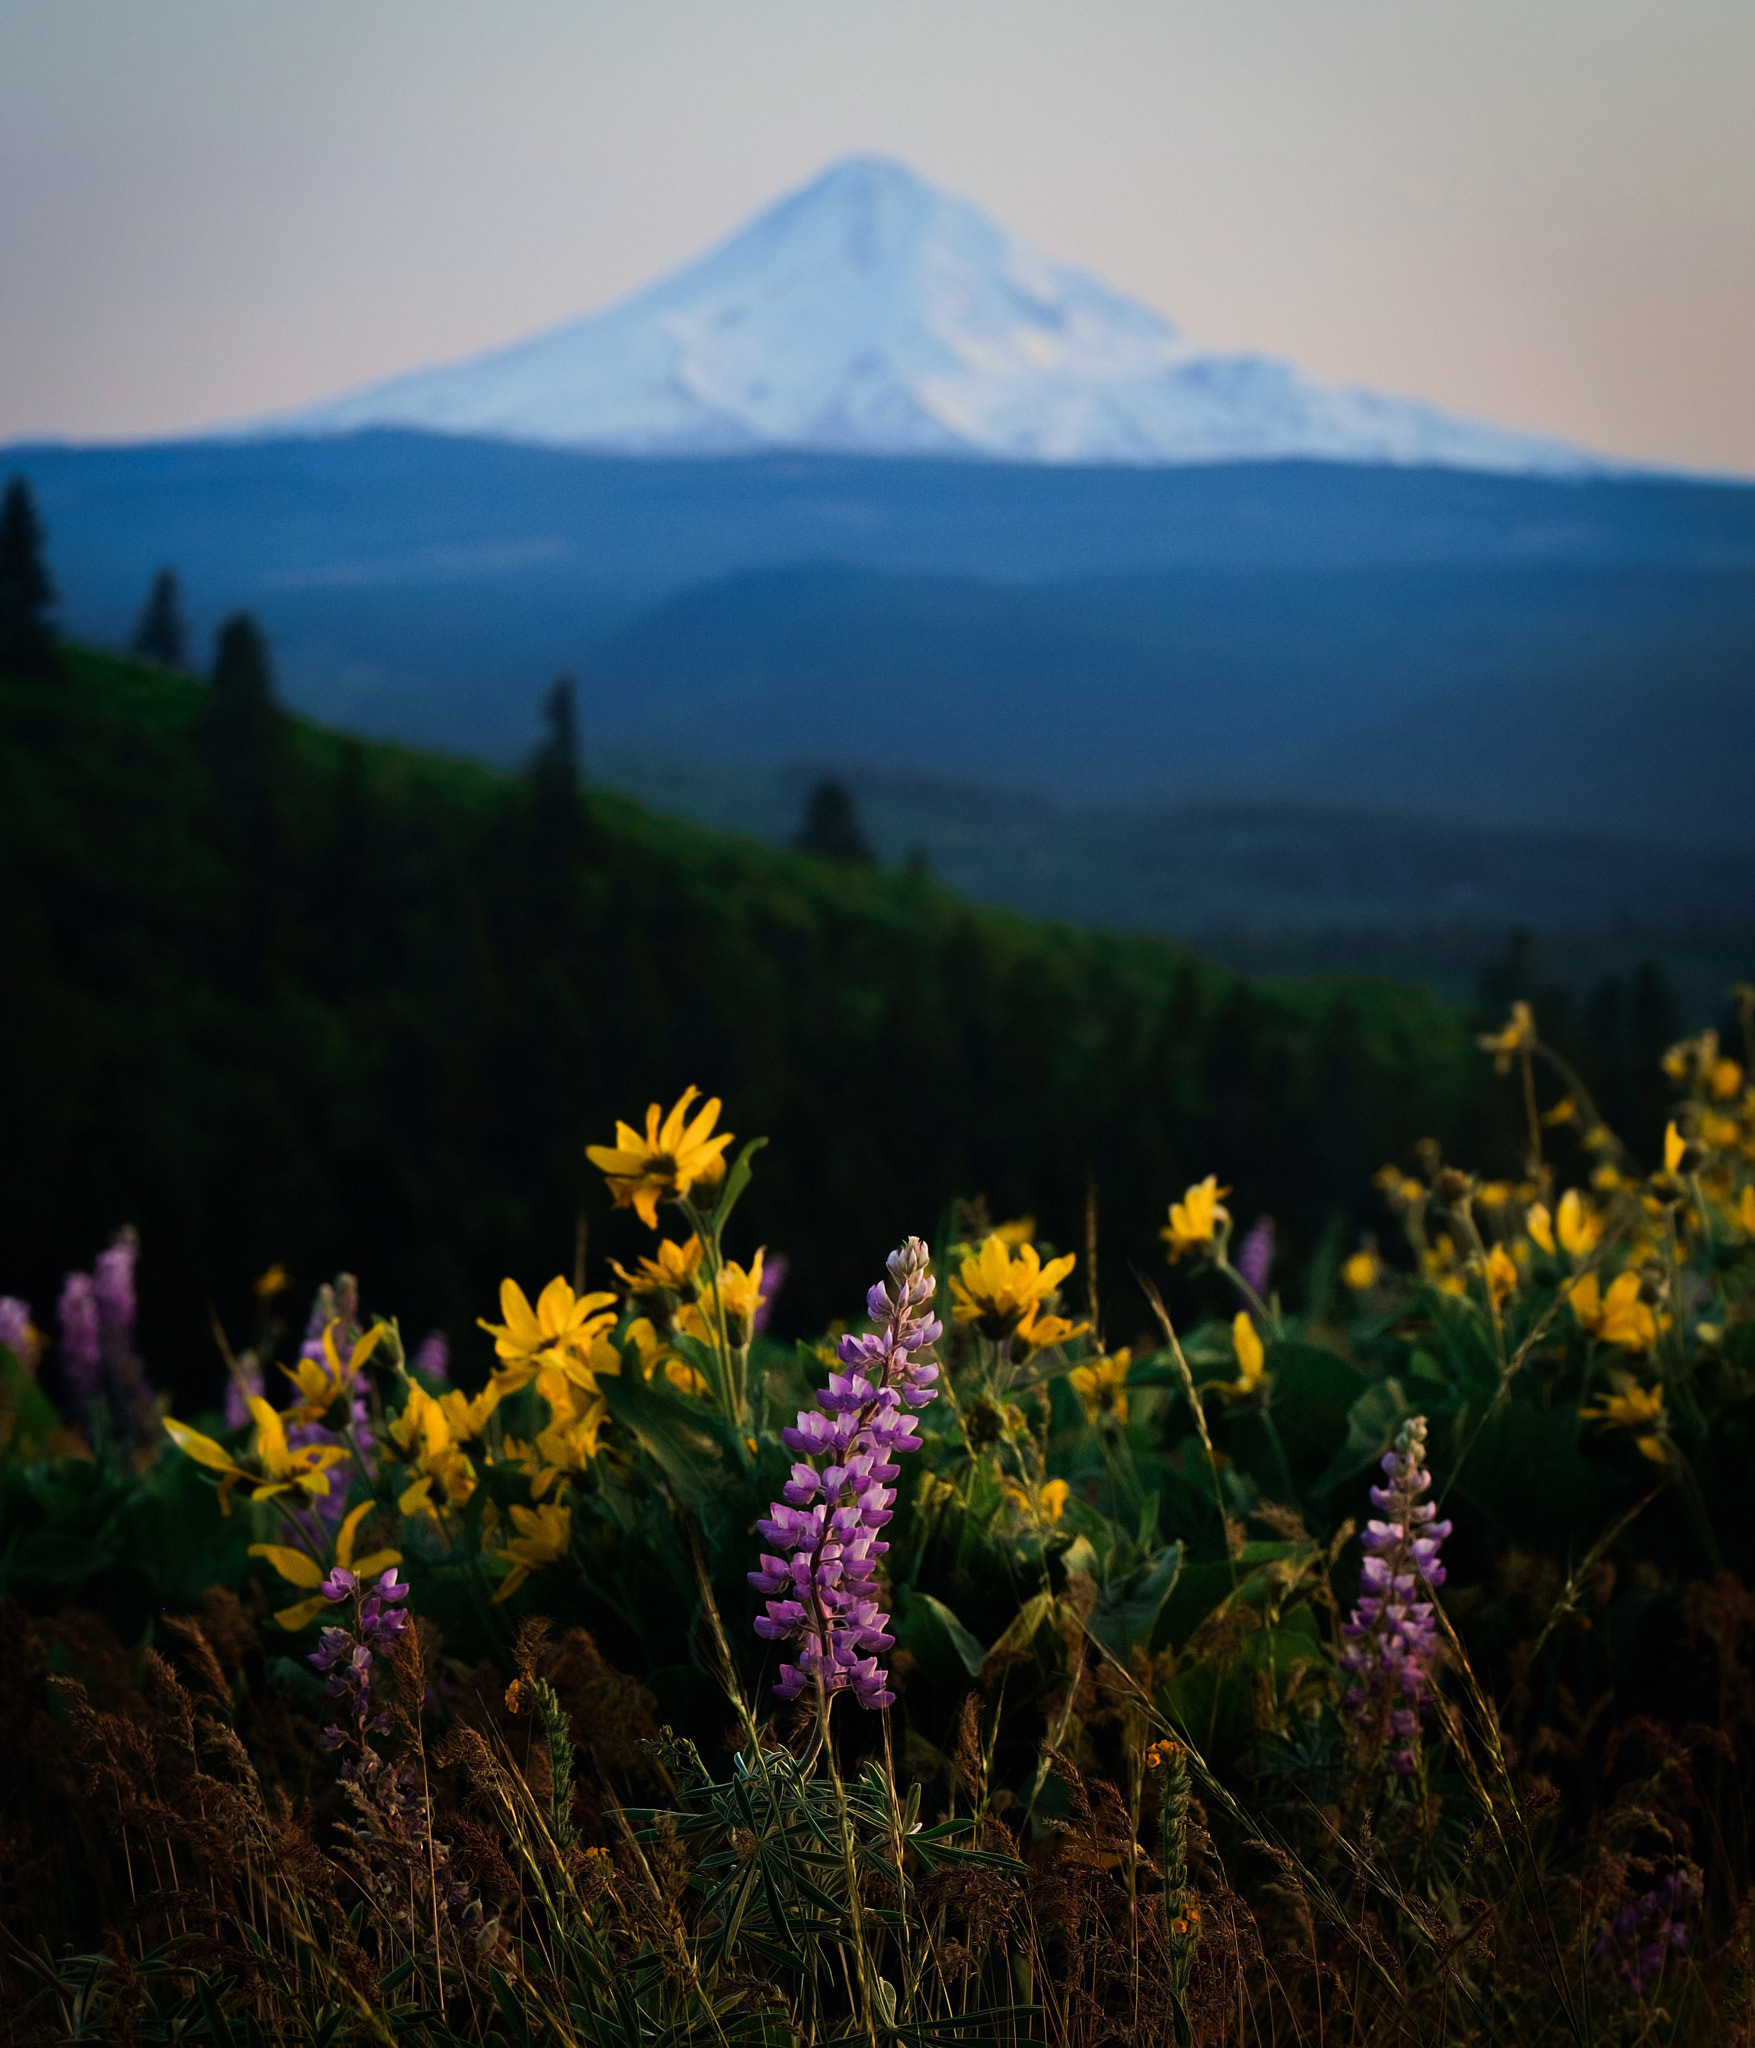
x: 870, y: 313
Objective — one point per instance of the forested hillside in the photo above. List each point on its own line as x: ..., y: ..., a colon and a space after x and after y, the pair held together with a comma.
x: 275, y: 994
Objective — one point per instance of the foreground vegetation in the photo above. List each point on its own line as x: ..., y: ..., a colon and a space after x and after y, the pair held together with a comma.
x: 1372, y: 1672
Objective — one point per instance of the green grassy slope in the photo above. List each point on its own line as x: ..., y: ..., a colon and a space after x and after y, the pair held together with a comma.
x: 376, y: 1026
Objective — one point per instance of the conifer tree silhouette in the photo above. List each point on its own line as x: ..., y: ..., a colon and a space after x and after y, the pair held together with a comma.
x: 27, y: 640
x: 161, y: 635
x: 831, y: 825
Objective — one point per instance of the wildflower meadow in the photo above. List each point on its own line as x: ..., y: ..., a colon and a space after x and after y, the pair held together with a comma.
x: 1356, y: 1654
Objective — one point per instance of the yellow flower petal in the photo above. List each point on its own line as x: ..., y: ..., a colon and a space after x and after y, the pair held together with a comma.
x: 293, y: 1565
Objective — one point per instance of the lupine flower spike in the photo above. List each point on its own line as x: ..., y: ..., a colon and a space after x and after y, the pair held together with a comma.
x: 822, y: 1592
x: 1392, y: 1632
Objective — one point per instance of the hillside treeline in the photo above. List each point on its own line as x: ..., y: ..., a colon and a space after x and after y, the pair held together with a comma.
x: 276, y: 995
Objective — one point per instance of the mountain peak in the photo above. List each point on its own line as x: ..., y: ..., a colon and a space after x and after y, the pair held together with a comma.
x: 870, y: 312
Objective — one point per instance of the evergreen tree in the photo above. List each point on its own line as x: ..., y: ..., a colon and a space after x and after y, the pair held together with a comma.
x: 558, y: 808
x: 161, y: 635
x: 27, y: 640
x: 831, y: 825
x: 242, y: 729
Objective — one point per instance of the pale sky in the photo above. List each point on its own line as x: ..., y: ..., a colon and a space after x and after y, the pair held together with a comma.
x: 1539, y: 211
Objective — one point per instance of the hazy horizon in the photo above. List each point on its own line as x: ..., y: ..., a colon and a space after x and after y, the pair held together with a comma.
x: 1545, y: 219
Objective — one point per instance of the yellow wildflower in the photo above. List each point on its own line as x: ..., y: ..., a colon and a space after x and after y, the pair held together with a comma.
x: 1001, y: 1294
x: 1493, y: 1194
x: 275, y: 1281
x: 1637, y: 1408
x: 1195, y: 1220
x: 1518, y: 1035
x: 1565, y: 1111
x: 739, y: 1292
x: 543, y: 1537
x: 1540, y: 1226
x: 569, y: 1443
x: 672, y: 1271
x: 1020, y: 1230
x: 1040, y: 1332
x: 563, y: 1329
x: 1617, y: 1317
x: 1251, y: 1356
x: 299, y: 1570
x: 1500, y: 1275
x: 1746, y: 1209
x: 1718, y: 1133
x: 1725, y: 1079
x: 423, y: 1436
x: 1046, y: 1504
x: 466, y: 1418
x: 1674, y: 1146
x: 674, y: 1155
x: 1361, y: 1271
x: 326, y: 1386
x: 277, y: 1470
x: 1580, y: 1228
x: 1102, y: 1387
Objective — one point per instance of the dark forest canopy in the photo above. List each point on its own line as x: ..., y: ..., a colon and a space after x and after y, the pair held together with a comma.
x: 277, y: 995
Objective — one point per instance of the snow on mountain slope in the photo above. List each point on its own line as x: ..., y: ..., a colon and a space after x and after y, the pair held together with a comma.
x: 870, y: 313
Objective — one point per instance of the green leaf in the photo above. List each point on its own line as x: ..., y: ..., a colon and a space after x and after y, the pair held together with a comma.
x: 735, y: 1182
x: 931, y: 1630
x: 1126, y: 1615
x: 1372, y: 1422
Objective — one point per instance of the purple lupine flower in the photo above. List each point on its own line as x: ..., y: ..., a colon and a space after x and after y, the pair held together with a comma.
x: 820, y: 1579
x: 113, y: 1288
x: 112, y: 1284
x: 17, y: 1332
x: 434, y: 1356
x: 1393, y: 1633
x: 238, y: 1396
x: 346, y: 1655
x: 82, y: 1354
x: 1640, y: 1937
x: 1255, y: 1255
x: 774, y: 1271
x: 331, y: 1507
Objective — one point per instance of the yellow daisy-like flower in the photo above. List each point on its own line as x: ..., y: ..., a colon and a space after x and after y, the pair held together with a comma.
x: 276, y: 1470
x: 305, y: 1572
x: 1617, y: 1317
x: 675, y: 1154
x: 562, y: 1330
x: 1636, y: 1408
x: 423, y: 1436
x: 544, y: 1535
x: 326, y: 1386
x: 1000, y: 1293
x: 672, y: 1271
x: 576, y: 1418
x: 1362, y: 1270
x: 1195, y: 1220
x: 1102, y: 1387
